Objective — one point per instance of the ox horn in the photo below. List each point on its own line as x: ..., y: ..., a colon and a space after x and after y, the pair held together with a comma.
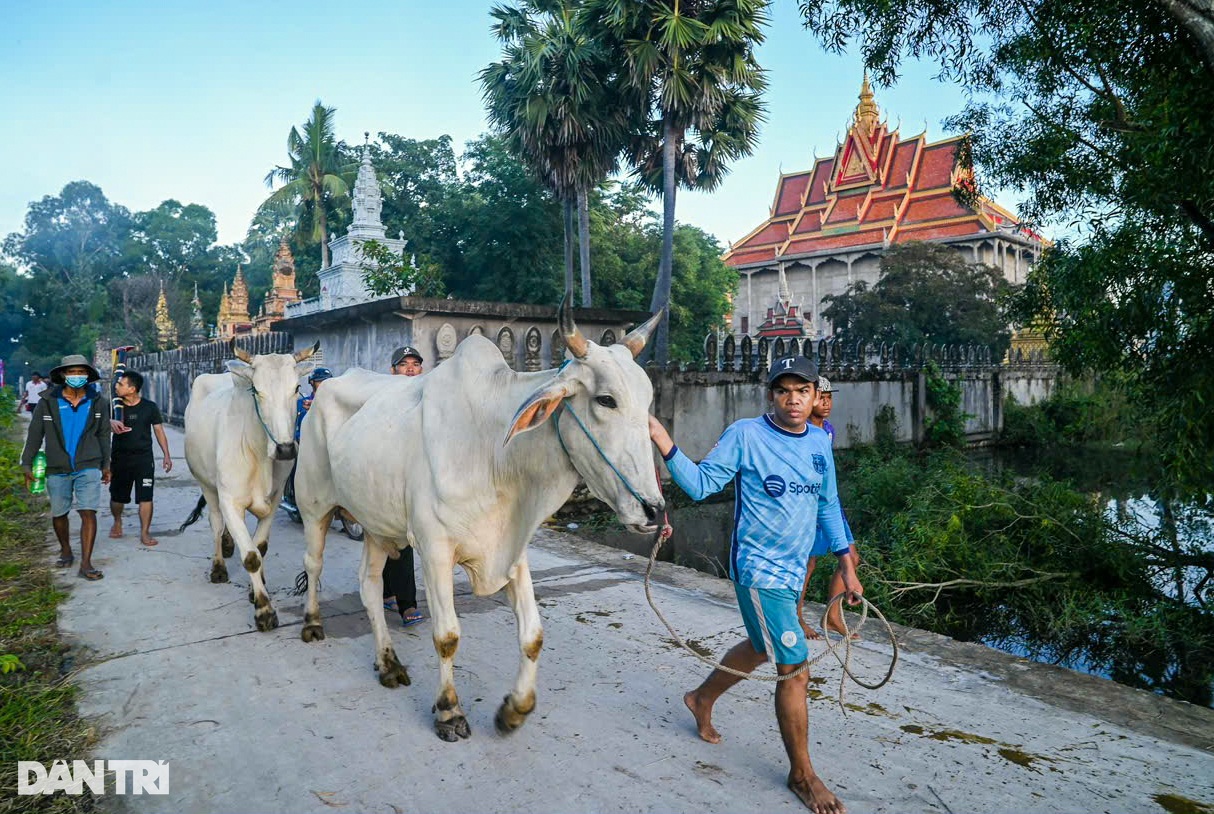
x: 638, y: 336
x: 578, y: 345
x: 242, y: 354
x: 307, y: 352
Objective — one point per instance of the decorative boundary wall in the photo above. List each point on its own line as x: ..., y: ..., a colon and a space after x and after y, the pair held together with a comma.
x: 169, y: 374
x: 699, y: 401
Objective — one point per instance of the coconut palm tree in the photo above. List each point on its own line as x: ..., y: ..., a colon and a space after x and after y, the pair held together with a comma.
x: 552, y: 97
x: 315, y: 181
x: 691, y: 65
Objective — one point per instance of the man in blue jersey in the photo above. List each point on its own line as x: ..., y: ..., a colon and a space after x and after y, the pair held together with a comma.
x: 784, y: 479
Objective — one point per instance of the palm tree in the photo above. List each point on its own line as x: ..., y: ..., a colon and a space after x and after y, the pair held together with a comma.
x: 313, y: 184
x: 691, y: 66
x: 551, y: 96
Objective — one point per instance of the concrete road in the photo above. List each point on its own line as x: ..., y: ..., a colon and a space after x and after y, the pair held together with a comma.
x: 172, y: 669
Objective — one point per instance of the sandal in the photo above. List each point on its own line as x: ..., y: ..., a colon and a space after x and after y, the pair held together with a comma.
x: 92, y: 575
x: 411, y: 618
x: 65, y: 561
x: 390, y: 604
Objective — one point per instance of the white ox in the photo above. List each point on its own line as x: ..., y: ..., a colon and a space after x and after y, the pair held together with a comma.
x: 240, y: 445
x: 439, y: 462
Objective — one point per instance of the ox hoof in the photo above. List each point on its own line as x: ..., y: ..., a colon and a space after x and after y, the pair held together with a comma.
x: 453, y: 730
x: 227, y: 545
x: 267, y: 620
x: 313, y: 633
x: 219, y: 572
x: 509, y: 717
x: 392, y: 673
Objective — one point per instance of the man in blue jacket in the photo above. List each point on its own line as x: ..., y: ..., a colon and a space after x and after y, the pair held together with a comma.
x: 784, y: 478
x: 74, y: 422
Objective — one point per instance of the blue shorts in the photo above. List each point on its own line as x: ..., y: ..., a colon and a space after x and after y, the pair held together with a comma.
x: 771, y: 621
x: 83, y: 488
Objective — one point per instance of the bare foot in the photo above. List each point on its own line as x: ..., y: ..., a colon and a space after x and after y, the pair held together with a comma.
x: 703, y: 718
x: 810, y: 634
x: 854, y: 635
x: 816, y: 797
x: 116, y: 531
x: 149, y: 540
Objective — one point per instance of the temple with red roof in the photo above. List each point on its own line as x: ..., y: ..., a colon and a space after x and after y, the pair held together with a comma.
x: 829, y: 225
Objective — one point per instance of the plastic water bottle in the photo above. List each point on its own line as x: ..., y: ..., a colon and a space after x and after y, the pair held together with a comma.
x: 39, y: 470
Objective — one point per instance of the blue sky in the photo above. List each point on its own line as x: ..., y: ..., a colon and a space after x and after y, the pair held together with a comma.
x: 193, y: 101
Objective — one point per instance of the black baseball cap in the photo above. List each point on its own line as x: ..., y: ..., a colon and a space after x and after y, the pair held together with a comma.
x: 797, y: 366
x: 400, y: 354
x: 320, y: 374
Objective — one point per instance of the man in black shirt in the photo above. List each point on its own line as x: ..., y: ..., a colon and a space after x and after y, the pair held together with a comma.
x: 132, y: 454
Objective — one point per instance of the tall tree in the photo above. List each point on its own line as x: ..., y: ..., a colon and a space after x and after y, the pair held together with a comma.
x: 499, y: 235
x: 632, y: 243
x: 553, y: 98
x: 315, y: 181
x: 691, y: 67
x: 1101, y: 113
x: 926, y: 293
x: 71, y: 246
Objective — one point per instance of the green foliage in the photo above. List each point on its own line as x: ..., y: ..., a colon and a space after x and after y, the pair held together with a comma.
x: 945, y: 423
x: 926, y: 293
x: 38, y: 719
x: 1030, y: 563
x: 1075, y: 416
x: 630, y: 247
x: 555, y: 97
x: 1099, y: 113
x: 10, y: 663
x: 885, y: 429
x: 385, y: 272
x: 691, y: 72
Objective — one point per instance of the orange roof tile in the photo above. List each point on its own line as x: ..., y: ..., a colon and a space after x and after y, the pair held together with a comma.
x: 936, y: 214
x: 792, y: 187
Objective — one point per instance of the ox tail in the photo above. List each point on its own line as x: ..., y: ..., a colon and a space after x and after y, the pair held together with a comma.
x: 194, y: 515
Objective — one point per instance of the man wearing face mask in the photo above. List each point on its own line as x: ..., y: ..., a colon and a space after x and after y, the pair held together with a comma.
x: 74, y: 423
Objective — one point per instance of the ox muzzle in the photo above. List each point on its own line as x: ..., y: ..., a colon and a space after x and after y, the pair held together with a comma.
x: 286, y: 452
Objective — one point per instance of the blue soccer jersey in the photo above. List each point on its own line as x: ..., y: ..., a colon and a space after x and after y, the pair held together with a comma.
x: 785, y: 489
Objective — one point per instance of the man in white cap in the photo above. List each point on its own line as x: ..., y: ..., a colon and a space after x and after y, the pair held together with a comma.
x: 400, y: 582
x: 74, y: 423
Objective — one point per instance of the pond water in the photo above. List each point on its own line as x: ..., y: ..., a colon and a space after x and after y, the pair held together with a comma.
x: 1120, y: 480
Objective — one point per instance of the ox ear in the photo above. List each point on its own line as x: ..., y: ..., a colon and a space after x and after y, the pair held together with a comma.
x: 538, y: 408
x: 241, y: 368
x: 306, y: 353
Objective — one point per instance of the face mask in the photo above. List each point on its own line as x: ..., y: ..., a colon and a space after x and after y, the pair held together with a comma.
x: 76, y: 381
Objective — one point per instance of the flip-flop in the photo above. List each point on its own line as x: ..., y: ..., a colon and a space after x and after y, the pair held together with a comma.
x: 390, y: 604
x: 64, y: 562
x: 92, y: 575
x: 412, y: 618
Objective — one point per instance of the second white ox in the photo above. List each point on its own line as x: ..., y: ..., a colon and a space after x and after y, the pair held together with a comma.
x: 240, y: 445
x: 440, y: 462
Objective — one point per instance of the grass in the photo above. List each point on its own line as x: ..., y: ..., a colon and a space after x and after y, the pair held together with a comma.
x: 38, y: 717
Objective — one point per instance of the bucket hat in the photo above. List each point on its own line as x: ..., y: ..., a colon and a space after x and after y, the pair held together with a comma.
x: 73, y: 360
